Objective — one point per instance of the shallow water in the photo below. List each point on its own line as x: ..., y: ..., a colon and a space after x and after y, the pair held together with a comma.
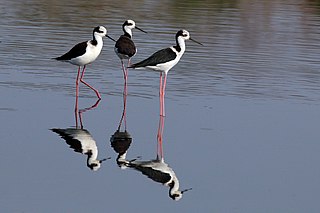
x: 242, y: 111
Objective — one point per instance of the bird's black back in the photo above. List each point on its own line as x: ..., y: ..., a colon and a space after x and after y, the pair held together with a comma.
x: 158, y: 57
x: 76, y: 51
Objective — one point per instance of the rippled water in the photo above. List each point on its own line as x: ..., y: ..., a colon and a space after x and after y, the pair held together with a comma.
x: 241, y: 125
x: 251, y: 49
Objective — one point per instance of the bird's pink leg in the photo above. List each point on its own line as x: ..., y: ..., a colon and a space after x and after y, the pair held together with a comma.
x: 76, y: 108
x: 163, y: 93
x: 126, y: 80
x: 88, y: 85
x: 160, y: 94
x: 162, y: 88
x: 125, y: 76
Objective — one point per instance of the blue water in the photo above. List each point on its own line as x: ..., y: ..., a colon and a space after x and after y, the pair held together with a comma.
x: 242, y: 111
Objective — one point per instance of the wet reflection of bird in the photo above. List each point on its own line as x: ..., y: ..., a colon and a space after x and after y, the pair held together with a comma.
x: 163, y: 60
x: 160, y: 172
x: 120, y: 142
x: 80, y: 140
x: 85, y: 53
x: 121, y: 139
x: 156, y: 169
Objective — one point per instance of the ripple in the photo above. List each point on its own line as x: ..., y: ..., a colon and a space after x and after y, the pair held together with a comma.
x: 262, y: 51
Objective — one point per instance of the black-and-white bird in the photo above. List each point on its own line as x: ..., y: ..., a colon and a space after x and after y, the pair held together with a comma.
x: 81, y: 141
x: 125, y: 47
x: 85, y: 53
x: 163, y: 60
x: 158, y: 171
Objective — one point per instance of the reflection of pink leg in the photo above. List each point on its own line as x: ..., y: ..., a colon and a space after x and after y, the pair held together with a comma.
x: 76, y: 108
x: 123, y: 117
x: 160, y: 137
x: 88, y: 85
x: 125, y: 93
x: 86, y: 109
x: 125, y: 111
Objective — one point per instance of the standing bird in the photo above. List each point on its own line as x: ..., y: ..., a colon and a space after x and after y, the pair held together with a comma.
x: 125, y: 47
x: 163, y: 60
x: 80, y: 140
x: 85, y: 53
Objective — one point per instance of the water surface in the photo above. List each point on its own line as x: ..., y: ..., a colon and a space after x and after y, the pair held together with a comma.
x: 242, y: 110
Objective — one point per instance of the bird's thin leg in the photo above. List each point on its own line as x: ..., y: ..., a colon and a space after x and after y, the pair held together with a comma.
x: 163, y: 93
x: 160, y: 94
x: 125, y: 77
x: 88, y: 85
x: 76, y: 108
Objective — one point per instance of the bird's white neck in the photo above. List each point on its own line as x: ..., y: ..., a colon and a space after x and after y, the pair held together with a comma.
x: 98, y: 39
x: 127, y: 30
x: 121, y: 161
x: 92, y: 156
x: 176, y: 185
x: 181, y: 45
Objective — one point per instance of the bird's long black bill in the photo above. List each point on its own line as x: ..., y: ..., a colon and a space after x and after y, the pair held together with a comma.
x: 141, y: 29
x: 111, y: 38
x: 183, y: 191
x: 105, y: 159
x: 196, y: 41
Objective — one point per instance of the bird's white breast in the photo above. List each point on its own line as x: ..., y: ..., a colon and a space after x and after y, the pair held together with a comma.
x: 165, y: 67
x: 91, y: 54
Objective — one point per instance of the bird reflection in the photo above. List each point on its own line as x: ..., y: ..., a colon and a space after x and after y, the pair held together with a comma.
x: 80, y: 139
x: 121, y: 139
x: 156, y: 169
x: 120, y: 142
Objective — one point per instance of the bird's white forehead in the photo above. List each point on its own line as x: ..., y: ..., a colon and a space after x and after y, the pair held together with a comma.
x: 185, y: 32
x: 102, y: 28
x: 130, y: 23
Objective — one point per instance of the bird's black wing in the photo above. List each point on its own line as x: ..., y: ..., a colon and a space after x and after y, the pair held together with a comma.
x: 125, y: 46
x: 155, y: 175
x: 158, y: 57
x: 76, y: 51
x: 69, y: 138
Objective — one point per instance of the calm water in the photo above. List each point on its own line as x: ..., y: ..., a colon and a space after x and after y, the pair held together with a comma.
x: 242, y: 124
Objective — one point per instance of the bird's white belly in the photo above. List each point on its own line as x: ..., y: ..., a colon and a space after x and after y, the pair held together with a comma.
x: 92, y: 52
x: 164, y: 67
